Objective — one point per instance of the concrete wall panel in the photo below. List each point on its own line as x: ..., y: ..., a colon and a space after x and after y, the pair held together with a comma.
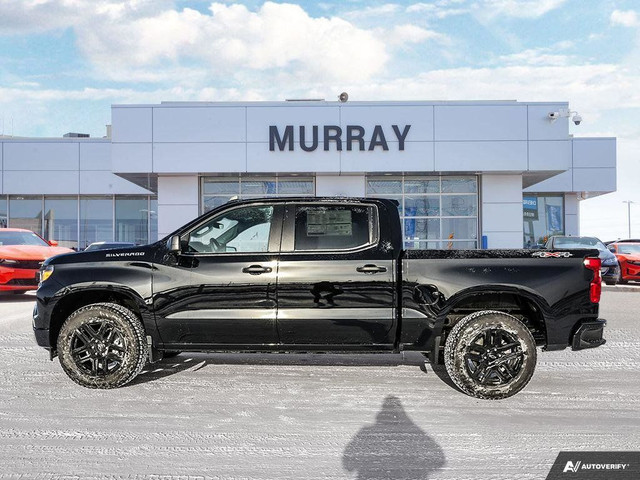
x: 550, y: 155
x: 131, y: 124
x: 542, y: 128
x: 131, y: 158
x: 480, y: 122
x: 594, y: 179
x: 416, y: 157
x: 95, y: 156
x: 481, y: 156
x: 340, y: 185
x: 201, y: 157
x: 41, y: 156
x: 199, y: 124
x: 41, y: 182
x: 260, y: 159
x: 594, y: 152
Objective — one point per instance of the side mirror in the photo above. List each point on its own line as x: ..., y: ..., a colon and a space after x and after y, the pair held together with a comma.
x: 53, y: 243
x: 612, y: 249
x: 174, y: 244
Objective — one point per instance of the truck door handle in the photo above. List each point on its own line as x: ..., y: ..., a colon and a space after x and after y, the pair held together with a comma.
x: 256, y: 269
x: 371, y: 269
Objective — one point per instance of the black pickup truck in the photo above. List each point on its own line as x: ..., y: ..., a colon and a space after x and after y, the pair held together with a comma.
x: 315, y: 275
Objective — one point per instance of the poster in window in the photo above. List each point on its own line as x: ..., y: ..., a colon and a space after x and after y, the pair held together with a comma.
x: 554, y: 218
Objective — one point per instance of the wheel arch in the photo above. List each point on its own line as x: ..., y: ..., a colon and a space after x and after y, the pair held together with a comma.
x: 80, y: 297
x: 521, y: 302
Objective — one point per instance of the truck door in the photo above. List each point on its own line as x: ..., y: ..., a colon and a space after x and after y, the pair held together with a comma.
x: 335, y: 280
x: 227, y: 295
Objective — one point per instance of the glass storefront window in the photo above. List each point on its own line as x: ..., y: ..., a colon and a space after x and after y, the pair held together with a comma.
x: 61, y: 221
x: 543, y: 216
x: 459, y: 205
x: 132, y: 216
x: 437, y: 212
x: 96, y: 220
x: 217, y: 191
x: 422, y: 206
x: 26, y: 212
x: 258, y: 187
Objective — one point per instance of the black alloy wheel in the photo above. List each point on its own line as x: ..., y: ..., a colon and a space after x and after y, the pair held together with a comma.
x: 490, y: 355
x: 494, y: 357
x: 102, y: 345
x: 98, y: 348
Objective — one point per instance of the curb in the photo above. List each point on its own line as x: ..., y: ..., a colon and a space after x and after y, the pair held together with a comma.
x: 621, y: 288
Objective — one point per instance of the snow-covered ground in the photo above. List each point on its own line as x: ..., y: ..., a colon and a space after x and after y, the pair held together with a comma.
x: 311, y: 416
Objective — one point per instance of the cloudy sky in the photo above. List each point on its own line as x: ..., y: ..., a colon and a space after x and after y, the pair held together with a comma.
x: 64, y: 62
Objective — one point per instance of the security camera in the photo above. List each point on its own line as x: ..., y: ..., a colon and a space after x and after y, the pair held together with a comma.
x: 553, y: 115
x: 577, y: 119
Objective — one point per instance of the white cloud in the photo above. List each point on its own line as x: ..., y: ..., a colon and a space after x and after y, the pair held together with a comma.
x: 626, y: 18
x: 535, y: 57
x: 142, y: 40
x: 407, y: 33
x: 377, y: 11
x: 516, y: 8
x: 438, y: 10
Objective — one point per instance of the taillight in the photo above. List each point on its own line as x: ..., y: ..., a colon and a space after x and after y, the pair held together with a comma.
x: 595, y: 289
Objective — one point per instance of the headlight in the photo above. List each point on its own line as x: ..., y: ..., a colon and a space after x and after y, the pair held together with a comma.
x: 609, y: 261
x: 7, y: 261
x: 46, y: 273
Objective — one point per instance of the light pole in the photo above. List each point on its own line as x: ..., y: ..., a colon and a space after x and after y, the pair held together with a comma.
x: 629, y: 202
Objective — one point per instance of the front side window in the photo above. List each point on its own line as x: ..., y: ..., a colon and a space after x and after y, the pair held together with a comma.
x: 332, y: 227
x: 243, y: 229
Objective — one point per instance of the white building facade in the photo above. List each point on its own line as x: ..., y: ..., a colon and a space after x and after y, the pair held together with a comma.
x: 466, y: 174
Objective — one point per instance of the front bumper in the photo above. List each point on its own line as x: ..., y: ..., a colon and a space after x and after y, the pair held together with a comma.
x: 17, y: 279
x: 589, y: 335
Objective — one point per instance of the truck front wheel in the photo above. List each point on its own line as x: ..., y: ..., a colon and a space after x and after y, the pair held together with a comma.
x: 102, y: 346
x: 490, y: 355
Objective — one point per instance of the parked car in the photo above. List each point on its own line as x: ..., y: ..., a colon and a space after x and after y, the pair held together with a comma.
x: 315, y: 274
x: 610, y: 271
x: 21, y: 255
x: 628, y: 255
x: 108, y: 245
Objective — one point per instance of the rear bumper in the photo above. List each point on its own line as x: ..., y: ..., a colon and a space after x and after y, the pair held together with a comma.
x: 589, y: 335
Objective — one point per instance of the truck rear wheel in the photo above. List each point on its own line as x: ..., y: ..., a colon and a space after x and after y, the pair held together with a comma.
x: 102, y: 345
x: 490, y: 355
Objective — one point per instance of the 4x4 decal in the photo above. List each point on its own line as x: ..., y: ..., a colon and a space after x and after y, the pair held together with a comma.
x: 552, y: 254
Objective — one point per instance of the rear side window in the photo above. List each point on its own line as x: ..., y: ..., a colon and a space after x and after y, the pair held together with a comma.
x: 330, y: 227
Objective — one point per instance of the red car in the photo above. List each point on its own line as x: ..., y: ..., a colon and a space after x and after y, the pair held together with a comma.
x: 21, y: 255
x: 628, y: 255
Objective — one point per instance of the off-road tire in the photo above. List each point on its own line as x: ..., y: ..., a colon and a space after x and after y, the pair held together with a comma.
x: 122, y: 365
x: 463, y: 361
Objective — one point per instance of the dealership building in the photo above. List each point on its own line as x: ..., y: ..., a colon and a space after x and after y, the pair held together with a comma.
x: 476, y: 174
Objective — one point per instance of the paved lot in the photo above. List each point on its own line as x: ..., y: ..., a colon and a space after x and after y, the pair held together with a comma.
x: 305, y: 416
